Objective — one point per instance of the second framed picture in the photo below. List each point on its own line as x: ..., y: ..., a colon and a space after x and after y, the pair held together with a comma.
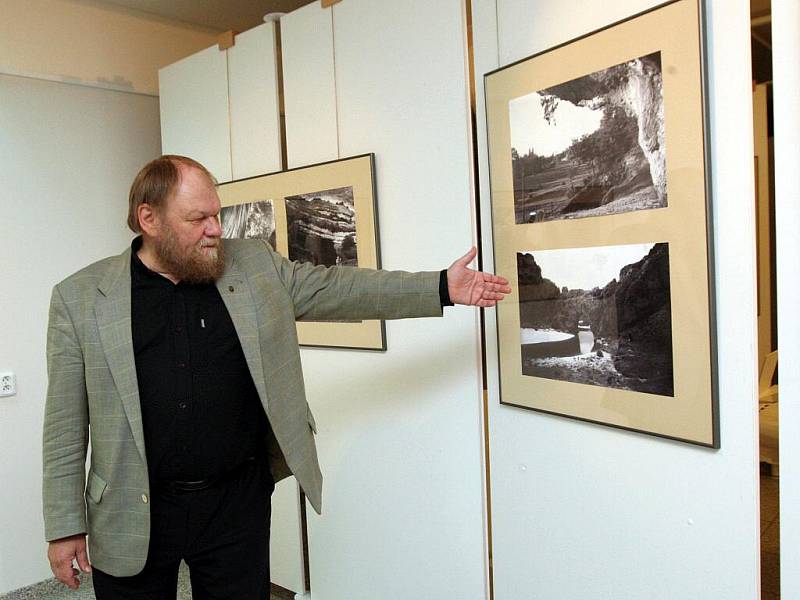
x: 601, y: 220
x: 324, y: 214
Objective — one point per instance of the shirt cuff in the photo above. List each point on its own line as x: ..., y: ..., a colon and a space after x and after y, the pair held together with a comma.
x: 444, y: 294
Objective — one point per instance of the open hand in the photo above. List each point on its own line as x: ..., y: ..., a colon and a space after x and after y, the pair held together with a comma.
x: 474, y: 288
x: 62, y: 552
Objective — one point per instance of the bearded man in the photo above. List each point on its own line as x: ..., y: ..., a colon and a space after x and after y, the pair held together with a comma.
x: 182, y: 354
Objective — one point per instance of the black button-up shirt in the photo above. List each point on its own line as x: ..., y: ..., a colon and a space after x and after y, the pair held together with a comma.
x: 201, y: 413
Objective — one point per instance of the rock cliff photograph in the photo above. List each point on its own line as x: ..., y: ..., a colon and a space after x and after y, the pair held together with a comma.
x: 591, y: 146
x: 598, y: 316
x: 250, y: 220
x: 322, y: 227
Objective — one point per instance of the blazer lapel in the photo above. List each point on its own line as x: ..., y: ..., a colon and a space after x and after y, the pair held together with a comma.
x: 113, y: 311
x: 238, y: 300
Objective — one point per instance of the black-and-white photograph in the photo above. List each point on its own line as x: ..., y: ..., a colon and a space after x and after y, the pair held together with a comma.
x: 322, y: 227
x: 598, y: 316
x: 250, y: 220
x: 591, y: 146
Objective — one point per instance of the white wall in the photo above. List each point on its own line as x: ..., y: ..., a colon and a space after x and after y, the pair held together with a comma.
x: 84, y: 41
x: 67, y: 157
x: 786, y: 89
x: 399, y: 433
x: 68, y: 154
x: 582, y: 511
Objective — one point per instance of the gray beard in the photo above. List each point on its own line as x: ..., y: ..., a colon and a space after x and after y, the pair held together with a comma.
x: 194, y: 268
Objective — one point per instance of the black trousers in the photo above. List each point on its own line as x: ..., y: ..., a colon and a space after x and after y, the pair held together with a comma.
x: 222, y: 533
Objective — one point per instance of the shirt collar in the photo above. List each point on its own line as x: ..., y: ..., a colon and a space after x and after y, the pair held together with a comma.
x: 140, y: 273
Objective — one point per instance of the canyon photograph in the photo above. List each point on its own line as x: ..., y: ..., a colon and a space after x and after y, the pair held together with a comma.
x: 249, y: 220
x: 591, y: 146
x: 598, y: 316
x: 322, y: 227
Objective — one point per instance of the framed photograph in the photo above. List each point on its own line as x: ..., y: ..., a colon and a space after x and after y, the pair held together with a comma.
x: 324, y: 214
x: 602, y: 222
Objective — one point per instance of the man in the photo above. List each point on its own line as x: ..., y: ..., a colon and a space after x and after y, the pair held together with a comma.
x: 182, y: 354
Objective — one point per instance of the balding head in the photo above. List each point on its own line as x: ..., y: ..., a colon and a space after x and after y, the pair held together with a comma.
x: 157, y: 182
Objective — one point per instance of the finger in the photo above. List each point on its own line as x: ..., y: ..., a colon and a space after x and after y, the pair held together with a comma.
x: 495, y: 291
x: 66, y: 575
x: 467, y: 258
x: 76, y: 582
x: 83, y: 560
x: 490, y: 278
x: 492, y: 296
x: 498, y: 287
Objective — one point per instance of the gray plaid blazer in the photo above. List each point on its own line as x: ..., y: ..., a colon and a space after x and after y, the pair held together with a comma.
x: 92, y: 379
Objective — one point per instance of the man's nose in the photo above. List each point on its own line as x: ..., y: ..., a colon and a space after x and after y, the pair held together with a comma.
x: 213, y: 228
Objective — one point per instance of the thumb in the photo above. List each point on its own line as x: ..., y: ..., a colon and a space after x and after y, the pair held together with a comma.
x: 467, y: 258
x: 83, y: 559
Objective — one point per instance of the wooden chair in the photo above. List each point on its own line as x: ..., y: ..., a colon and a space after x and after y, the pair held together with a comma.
x: 768, y: 413
x: 766, y: 391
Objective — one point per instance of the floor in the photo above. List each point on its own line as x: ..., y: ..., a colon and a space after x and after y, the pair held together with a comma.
x: 53, y: 590
x: 770, y: 538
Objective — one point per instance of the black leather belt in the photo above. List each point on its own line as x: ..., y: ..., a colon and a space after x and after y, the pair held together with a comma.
x: 185, y: 487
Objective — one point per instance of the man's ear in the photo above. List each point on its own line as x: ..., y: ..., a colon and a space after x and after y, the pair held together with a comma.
x: 149, y: 219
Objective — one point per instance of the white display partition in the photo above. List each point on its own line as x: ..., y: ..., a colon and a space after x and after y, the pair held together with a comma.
x: 221, y: 108
x: 256, y: 150
x: 584, y: 511
x: 400, y: 433
x: 786, y: 92
x: 307, y: 141
x: 310, y: 92
x: 193, y: 96
x: 255, y: 121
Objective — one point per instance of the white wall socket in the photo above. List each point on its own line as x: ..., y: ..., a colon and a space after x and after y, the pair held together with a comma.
x: 8, y: 384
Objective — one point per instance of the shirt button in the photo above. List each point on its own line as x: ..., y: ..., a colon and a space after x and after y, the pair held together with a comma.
x: 182, y: 405
x: 181, y: 365
x: 144, y: 498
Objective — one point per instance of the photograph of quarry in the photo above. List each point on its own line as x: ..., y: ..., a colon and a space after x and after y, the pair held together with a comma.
x: 322, y: 227
x: 249, y: 220
x: 591, y: 146
x: 599, y: 316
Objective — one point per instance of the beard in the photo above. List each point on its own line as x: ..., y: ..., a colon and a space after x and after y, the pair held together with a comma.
x: 196, y: 266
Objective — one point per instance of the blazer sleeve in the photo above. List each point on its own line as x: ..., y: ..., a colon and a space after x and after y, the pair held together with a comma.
x: 66, y: 427
x: 321, y: 293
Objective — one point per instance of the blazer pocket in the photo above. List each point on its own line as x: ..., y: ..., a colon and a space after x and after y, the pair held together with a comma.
x: 311, y: 422
x: 95, y: 486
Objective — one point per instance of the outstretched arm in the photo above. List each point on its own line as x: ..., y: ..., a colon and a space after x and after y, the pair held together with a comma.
x: 474, y: 288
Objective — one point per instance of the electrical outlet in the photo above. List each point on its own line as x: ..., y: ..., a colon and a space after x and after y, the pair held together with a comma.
x: 8, y: 384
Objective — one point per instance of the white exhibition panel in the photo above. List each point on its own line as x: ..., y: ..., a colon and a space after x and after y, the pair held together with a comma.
x: 309, y: 86
x: 193, y: 95
x: 286, y: 537
x: 306, y: 66
x: 254, y: 111
x: 68, y: 155
x: 198, y: 94
x: 255, y: 150
x: 584, y: 511
x: 400, y: 433
x: 786, y: 91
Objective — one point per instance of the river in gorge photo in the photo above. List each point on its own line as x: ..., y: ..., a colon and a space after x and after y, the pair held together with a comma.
x: 598, y: 316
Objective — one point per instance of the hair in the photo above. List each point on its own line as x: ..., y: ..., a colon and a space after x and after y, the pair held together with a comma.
x: 156, y: 182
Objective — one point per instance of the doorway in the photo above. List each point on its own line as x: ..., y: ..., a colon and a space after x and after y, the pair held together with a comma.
x: 766, y: 296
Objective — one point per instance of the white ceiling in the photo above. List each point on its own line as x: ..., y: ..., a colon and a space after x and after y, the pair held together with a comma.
x: 219, y: 15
